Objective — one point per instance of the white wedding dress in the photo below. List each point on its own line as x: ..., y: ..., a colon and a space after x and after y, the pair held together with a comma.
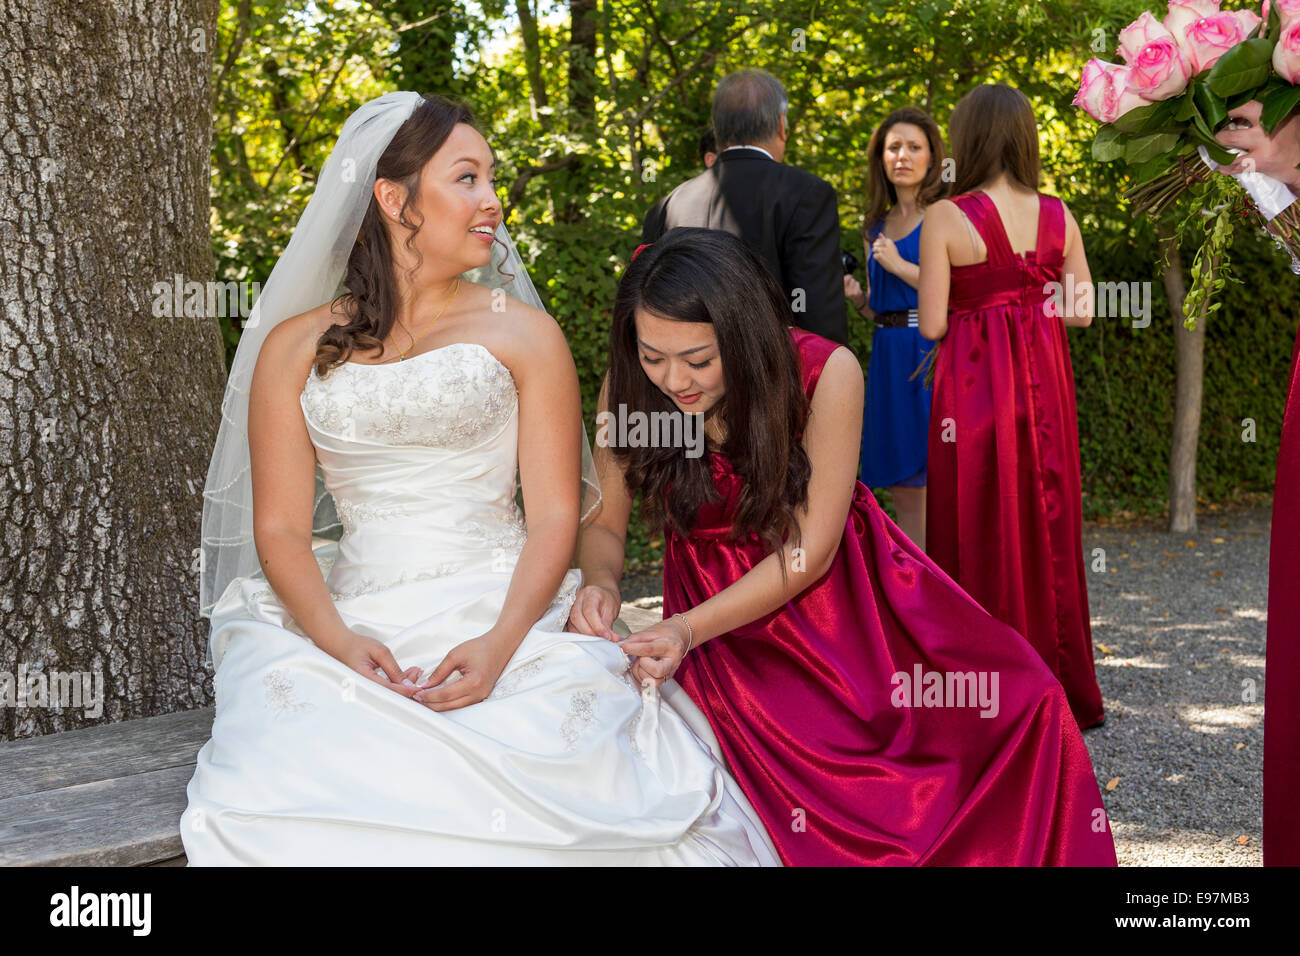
x: 567, y: 762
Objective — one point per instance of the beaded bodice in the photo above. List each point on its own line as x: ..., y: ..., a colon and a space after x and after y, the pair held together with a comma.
x: 420, y: 458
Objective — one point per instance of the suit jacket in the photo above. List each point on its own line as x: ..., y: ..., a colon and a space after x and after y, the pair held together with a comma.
x: 788, y: 216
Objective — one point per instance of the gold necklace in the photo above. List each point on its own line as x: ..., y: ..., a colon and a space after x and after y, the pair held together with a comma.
x: 401, y: 354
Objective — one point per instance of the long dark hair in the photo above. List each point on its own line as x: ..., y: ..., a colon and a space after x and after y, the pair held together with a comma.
x: 881, y: 195
x: 706, y: 275
x: 993, y: 129
x: 369, y: 306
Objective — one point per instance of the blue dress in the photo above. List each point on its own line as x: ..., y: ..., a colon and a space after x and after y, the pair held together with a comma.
x: 896, y: 419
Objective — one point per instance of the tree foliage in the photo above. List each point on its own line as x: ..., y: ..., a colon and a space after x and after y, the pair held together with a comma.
x: 595, y: 107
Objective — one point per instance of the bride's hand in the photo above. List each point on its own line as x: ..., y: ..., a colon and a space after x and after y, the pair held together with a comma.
x: 594, y: 610
x: 658, y: 650
x: 480, y: 662
x: 373, y: 660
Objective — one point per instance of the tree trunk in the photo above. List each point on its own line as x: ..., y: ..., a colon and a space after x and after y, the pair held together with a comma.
x: 108, y: 410
x: 582, y: 106
x: 1189, y: 350
x: 537, y: 98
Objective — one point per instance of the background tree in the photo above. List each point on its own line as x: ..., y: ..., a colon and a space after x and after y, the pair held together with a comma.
x: 108, y: 410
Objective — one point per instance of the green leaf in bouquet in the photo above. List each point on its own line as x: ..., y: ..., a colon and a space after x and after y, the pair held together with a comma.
x: 1232, y: 102
x: 1161, y: 117
x: 1218, y: 153
x: 1211, y: 108
x: 1244, y: 67
x: 1134, y: 119
x: 1140, y: 149
x: 1186, y: 105
x: 1107, y: 145
x: 1201, y: 133
x: 1278, y: 105
x: 1274, y: 84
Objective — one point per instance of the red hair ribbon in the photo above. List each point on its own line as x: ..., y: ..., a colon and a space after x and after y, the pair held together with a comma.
x: 644, y: 245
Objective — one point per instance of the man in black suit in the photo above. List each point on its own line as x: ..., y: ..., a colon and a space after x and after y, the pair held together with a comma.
x: 788, y: 216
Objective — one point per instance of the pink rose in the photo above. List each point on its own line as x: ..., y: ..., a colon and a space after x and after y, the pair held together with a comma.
x: 1203, y: 41
x: 1183, y: 13
x: 1287, y: 10
x: 1286, y: 54
x: 1104, y: 93
x: 1157, y: 69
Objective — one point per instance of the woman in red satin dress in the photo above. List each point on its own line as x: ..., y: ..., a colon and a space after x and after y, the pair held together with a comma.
x: 1004, y: 512
x: 870, y: 709
x: 1278, y: 155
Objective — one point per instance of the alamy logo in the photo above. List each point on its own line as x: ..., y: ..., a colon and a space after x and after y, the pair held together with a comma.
x: 1121, y: 300
x: 58, y: 690
x: 656, y: 430
x: 102, y: 909
x: 924, y: 688
x: 228, y: 299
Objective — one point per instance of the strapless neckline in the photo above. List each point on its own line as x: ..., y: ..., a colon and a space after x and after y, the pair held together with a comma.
x: 419, y: 355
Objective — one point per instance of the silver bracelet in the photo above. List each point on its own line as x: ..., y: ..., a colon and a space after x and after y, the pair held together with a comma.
x: 690, y: 631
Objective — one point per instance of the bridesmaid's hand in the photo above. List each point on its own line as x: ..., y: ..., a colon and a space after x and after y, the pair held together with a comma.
x: 594, y: 610
x: 373, y: 660
x: 886, y: 253
x: 1276, y: 155
x: 658, y: 650
x: 479, y: 662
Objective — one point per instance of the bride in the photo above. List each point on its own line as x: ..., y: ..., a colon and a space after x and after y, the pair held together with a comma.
x: 407, y: 693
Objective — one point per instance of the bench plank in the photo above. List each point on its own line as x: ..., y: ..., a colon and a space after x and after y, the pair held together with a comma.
x: 104, y: 752
x: 127, y: 821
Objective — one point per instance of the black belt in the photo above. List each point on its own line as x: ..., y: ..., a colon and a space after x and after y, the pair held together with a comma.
x: 898, y: 320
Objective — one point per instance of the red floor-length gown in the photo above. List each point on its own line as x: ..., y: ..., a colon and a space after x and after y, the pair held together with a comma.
x: 1282, y: 653
x: 806, y: 706
x: 1004, y: 509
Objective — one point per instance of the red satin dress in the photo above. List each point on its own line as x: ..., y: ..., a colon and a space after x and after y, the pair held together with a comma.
x: 844, y: 761
x: 1004, y: 512
x: 1282, y: 653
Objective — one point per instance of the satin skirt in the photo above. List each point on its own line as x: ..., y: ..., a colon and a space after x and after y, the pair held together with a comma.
x: 566, y: 763
x: 1282, y: 653
x: 1004, y: 511
x: 883, y: 717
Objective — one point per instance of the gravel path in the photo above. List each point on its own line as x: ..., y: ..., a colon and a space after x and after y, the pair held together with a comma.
x: 1178, y: 627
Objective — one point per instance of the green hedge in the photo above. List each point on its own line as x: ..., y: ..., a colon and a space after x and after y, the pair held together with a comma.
x: 1124, y: 382
x: 1124, y: 376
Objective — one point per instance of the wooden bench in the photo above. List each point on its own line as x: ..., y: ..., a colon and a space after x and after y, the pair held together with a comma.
x: 113, y: 795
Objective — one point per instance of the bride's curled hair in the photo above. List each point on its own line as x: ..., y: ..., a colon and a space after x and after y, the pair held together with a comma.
x: 707, y: 275
x: 368, y: 308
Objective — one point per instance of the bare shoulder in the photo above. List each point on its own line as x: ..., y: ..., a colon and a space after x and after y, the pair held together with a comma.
x: 942, y: 210
x: 841, y: 380
x: 941, y: 216
x: 1072, y: 232
x: 291, y: 345
x: 520, y: 335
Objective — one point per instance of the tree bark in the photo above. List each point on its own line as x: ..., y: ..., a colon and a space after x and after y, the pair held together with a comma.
x: 108, y: 411
x: 1189, y: 354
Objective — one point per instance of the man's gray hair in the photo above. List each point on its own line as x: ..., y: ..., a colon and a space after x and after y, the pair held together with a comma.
x: 747, y: 108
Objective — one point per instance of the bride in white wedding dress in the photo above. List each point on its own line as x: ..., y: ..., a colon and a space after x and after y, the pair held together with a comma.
x: 407, y: 694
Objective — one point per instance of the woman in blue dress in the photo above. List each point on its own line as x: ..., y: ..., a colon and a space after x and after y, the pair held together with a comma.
x: 906, y: 158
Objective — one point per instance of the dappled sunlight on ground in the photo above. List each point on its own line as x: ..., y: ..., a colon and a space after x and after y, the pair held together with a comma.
x: 1178, y: 638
